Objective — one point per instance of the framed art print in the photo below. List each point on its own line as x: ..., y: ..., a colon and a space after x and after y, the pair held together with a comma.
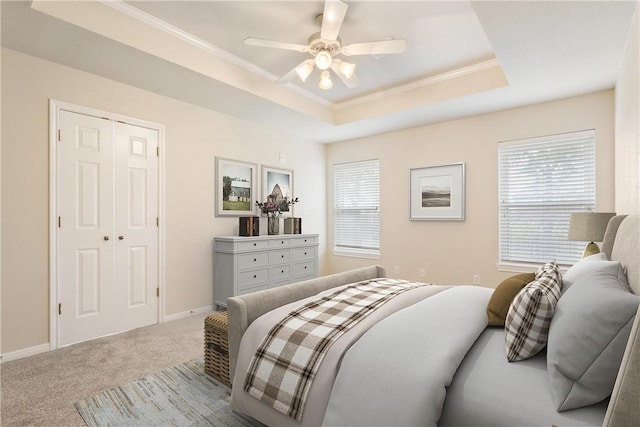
x: 437, y: 192
x: 236, y: 185
x: 279, y: 183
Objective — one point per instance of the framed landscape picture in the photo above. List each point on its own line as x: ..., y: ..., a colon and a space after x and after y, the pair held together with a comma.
x: 278, y: 182
x: 236, y: 184
x: 437, y: 192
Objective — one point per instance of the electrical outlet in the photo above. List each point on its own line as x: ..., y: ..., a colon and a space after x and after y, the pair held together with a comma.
x: 422, y: 272
x: 396, y: 269
x: 476, y: 279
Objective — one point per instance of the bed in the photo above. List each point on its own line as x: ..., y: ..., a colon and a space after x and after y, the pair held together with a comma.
x: 427, y: 357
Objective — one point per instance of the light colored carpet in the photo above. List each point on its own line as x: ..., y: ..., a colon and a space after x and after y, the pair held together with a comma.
x: 180, y: 396
x: 41, y: 390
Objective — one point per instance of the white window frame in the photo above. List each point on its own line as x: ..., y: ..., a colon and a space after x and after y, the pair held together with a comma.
x: 354, y: 248
x: 557, y: 206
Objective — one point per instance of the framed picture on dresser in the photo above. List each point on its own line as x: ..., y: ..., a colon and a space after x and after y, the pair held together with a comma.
x: 278, y: 182
x: 236, y: 187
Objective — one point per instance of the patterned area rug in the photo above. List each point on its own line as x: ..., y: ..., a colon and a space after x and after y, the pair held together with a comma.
x: 180, y: 396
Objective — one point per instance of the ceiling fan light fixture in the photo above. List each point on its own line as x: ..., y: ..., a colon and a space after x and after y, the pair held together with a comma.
x: 304, y: 70
x: 323, y: 60
x: 325, y: 80
x: 347, y: 69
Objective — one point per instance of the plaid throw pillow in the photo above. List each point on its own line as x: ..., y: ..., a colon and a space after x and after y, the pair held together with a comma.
x: 529, y: 316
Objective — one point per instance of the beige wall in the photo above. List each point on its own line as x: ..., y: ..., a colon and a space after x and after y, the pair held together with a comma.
x: 627, y: 125
x: 194, y: 136
x: 452, y: 252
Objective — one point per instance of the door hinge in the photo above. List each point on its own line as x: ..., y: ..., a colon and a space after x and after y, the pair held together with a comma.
x: 59, y: 222
x: 60, y: 309
x: 158, y: 151
x: 58, y: 135
x: 158, y: 292
x: 157, y: 221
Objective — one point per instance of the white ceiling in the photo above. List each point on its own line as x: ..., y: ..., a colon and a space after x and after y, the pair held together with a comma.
x: 463, y: 58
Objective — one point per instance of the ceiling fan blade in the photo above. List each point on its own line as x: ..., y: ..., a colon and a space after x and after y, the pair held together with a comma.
x: 375, y: 48
x: 350, y: 82
x: 275, y: 44
x: 332, y: 17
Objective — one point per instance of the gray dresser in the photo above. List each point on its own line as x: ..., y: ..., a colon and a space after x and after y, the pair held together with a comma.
x: 249, y: 264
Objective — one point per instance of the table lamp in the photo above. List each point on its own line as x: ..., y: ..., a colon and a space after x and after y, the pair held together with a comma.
x: 589, y: 227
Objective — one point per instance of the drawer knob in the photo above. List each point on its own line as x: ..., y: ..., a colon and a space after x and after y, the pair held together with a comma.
x: 282, y: 256
x: 305, y: 267
x: 255, y: 259
x: 305, y: 253
x: 282, y: 271
x: 282, y: 242
x: 255, y: 244
x: 254, y: 276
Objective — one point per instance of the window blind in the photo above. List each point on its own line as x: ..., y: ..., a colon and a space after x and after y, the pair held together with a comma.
x: 357, y: 207
x: 541, y: 181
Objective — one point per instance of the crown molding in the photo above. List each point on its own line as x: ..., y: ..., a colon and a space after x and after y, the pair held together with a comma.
x: 417, y: 84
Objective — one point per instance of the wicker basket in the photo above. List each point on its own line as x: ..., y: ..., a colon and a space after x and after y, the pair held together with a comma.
x: 216, y: 347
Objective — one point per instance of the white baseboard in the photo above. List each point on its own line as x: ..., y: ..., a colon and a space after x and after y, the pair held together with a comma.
x: 185, y: 314
x: 25, y: 352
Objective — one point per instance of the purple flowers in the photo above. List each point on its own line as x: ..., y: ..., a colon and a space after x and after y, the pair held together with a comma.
x: 275, y: 205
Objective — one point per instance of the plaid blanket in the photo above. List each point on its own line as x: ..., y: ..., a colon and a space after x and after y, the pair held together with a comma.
x: 285, y: 364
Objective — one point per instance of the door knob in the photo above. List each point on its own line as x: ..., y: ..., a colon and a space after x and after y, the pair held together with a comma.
x: 120, y: 237
x: 106, y: 237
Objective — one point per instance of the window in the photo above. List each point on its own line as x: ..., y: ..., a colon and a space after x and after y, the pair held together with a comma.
x: 543, y: 180
x: 357, y: 208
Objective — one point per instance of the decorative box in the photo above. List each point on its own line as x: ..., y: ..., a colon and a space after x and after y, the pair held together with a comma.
x: 293, y: 226
x: 249, y: 226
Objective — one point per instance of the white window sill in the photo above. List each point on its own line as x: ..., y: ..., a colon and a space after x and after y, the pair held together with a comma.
x: 525, y: 267
x: 357, y: 253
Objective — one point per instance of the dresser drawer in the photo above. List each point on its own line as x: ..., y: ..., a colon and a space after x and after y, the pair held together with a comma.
x: 280, y: 283
x: 303, y: 254
x: 300, y: 241
x: 252, y: 278
x: 255, y: 289
x: 252, y: 244
x: 279, y: 243
x: 254, y: 260
x: 279, y: 273
x: 303, y: 268
x: 279, y: 257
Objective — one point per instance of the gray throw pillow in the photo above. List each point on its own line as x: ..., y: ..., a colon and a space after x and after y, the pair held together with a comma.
x: 588, y: 266
x: 587, y: 337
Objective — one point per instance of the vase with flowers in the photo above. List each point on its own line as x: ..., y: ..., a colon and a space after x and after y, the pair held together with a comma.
x: 273, y: 208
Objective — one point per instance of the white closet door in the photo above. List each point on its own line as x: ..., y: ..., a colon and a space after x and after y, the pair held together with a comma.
x: 85, y: 195
x: 108, y: 237
x: 136, y: 229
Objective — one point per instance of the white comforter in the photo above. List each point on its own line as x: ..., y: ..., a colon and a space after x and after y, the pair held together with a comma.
x: 397, y: 373
x: 392, y: 371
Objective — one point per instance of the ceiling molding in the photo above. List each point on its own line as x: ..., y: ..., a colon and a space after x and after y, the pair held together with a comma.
x: 417, y: 84
x: 144, y: 17
x: 164, y: 26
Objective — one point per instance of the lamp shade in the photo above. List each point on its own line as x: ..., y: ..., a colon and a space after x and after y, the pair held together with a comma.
x: 588, y: 226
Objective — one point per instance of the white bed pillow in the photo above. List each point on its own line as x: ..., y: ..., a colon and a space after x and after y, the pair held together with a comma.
x: 527, y: 324
x: 588, y: 336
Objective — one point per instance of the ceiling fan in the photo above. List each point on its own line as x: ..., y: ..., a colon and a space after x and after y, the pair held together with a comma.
x: 325, y: 45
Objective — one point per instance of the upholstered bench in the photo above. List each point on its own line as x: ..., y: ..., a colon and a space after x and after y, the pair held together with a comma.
x: 216, y: 347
